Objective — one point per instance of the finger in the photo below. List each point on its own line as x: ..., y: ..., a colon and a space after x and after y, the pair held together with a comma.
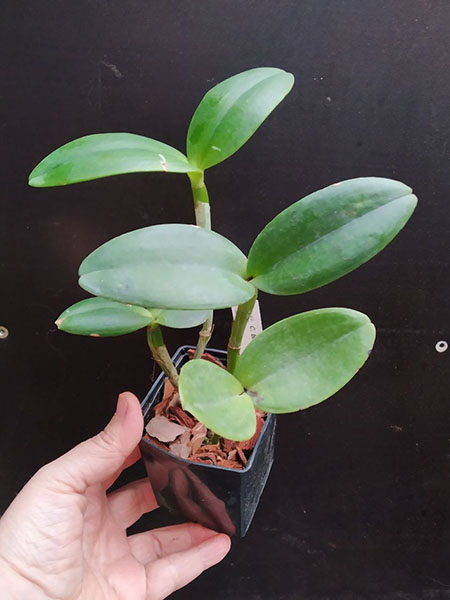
x: 168, y: 574
x: 151, y: 545
x: 99, y: 458
x: 130, y: 460
x: 134, y: 457
x: 130, y: 502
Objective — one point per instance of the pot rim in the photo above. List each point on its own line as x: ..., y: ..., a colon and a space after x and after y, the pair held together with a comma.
x: 180, y: 352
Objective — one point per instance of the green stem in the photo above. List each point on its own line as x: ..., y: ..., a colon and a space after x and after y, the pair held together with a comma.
x: 204, y: 336
x: 201, y: 199
x: 160, y: 354
x: 202, y: 219
x: 237, y: 331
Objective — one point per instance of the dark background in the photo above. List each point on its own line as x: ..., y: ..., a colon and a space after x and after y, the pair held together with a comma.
x: 357, y: 505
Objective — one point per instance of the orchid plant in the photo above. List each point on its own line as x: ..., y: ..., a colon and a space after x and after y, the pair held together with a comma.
x: 175, y: 275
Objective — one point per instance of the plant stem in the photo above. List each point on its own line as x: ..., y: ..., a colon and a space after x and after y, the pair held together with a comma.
x: 201, y: 200
x: 204, y: 336
x: 202, y: 219
x: 160, y: 354
x: 237, y: 331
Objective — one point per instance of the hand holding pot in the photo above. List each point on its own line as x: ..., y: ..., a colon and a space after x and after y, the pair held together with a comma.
x: 64, y: 537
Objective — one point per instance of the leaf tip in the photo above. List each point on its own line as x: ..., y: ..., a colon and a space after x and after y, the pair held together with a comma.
x: 290, y: 77
x: 414, y: 200
x: 36, y: 180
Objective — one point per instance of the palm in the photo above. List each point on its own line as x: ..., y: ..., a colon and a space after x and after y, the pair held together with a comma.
x: 93, y: 557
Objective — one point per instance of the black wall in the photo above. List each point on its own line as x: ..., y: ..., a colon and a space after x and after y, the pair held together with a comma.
x: 357, y: 505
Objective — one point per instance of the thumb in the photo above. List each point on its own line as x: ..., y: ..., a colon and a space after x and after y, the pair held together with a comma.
x: 99, y: 458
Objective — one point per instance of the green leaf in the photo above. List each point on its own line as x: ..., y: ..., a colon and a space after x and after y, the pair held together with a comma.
x: 99, y: 317
x: 217, y: 400
x: 177, y: 266
x: 302, y: 360
x: 180, y: 319
x: 105, y: 154
x: 102, y: 318
x: 232, y: 111
x: 328, y: 234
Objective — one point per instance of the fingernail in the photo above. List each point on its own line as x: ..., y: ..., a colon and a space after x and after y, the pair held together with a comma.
x: 122, y: 407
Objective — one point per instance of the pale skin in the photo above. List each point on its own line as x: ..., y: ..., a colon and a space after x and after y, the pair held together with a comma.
x: 64, y: 537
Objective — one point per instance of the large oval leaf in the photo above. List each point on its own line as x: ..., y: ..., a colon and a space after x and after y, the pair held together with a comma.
x: 168, y: 266
x: 232, y: 111
x: 105, y: 154
x: 217, y: 400
x: 302, y: 360
x: 180, y: 319
x: 103, y: 318
x: 328, y: 234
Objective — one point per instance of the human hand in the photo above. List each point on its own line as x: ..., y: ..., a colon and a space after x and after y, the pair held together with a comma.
x: 64, y: 537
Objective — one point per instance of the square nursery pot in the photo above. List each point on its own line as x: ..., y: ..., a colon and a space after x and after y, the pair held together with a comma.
x: 220, y: 498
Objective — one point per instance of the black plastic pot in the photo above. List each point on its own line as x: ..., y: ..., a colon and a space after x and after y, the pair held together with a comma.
x: 219, y: 498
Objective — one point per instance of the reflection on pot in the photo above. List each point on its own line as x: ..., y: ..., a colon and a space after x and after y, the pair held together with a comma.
x: 177, y: 487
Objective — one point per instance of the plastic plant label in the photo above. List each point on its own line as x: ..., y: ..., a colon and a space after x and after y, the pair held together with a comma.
x: 253, y: 327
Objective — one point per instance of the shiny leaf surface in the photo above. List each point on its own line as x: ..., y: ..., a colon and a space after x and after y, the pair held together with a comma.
x: 217, y: 400
x: 105, y: 154
x: 180, y: 319
x: 103, y: 318
x: 168, y: 266
x: 232, y: 111
x: 328, y: 234
x: 302, y: 360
